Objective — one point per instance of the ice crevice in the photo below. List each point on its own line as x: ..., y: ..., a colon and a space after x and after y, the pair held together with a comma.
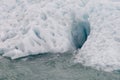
x: 80, y: 32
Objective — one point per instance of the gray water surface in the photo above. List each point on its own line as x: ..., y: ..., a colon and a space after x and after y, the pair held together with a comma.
x: 50, y: 67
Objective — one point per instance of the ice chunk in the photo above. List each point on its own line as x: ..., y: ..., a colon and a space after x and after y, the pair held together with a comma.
x: 29, y: 27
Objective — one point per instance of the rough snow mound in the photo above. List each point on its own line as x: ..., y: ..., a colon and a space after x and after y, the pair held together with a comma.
x: 29, y: 27
x: 102, y: 49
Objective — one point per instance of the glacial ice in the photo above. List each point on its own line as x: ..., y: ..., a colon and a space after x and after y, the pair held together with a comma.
x: 102, y: 48
x: 29, y: 27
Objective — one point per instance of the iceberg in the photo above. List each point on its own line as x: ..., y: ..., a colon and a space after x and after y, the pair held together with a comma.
x: 102, y: 48
x: 30, y: 27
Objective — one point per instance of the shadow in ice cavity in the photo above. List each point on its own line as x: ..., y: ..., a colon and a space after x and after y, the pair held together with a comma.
x: 80, y: 32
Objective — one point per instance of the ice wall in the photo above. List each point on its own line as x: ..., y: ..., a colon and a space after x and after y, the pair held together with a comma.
x: 29, y: 27
x: 102, y: 48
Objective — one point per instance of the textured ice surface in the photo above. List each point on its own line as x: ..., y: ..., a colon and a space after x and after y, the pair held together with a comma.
x: 102, y: 49
x: 29, y: 27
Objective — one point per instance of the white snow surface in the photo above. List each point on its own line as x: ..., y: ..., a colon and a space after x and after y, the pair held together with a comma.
x: 29, y: 27
x: 102, y: 48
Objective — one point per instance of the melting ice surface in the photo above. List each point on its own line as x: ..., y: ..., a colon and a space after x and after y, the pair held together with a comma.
x: 61, y: 26
x: 50, y: 67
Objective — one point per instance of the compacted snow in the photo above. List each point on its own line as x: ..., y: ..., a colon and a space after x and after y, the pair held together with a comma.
x: 102, y: 49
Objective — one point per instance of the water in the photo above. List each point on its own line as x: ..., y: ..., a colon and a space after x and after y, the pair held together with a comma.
x: 50, y: 67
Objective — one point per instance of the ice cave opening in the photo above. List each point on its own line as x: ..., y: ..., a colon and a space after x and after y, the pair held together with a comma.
x: 80, y: 32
